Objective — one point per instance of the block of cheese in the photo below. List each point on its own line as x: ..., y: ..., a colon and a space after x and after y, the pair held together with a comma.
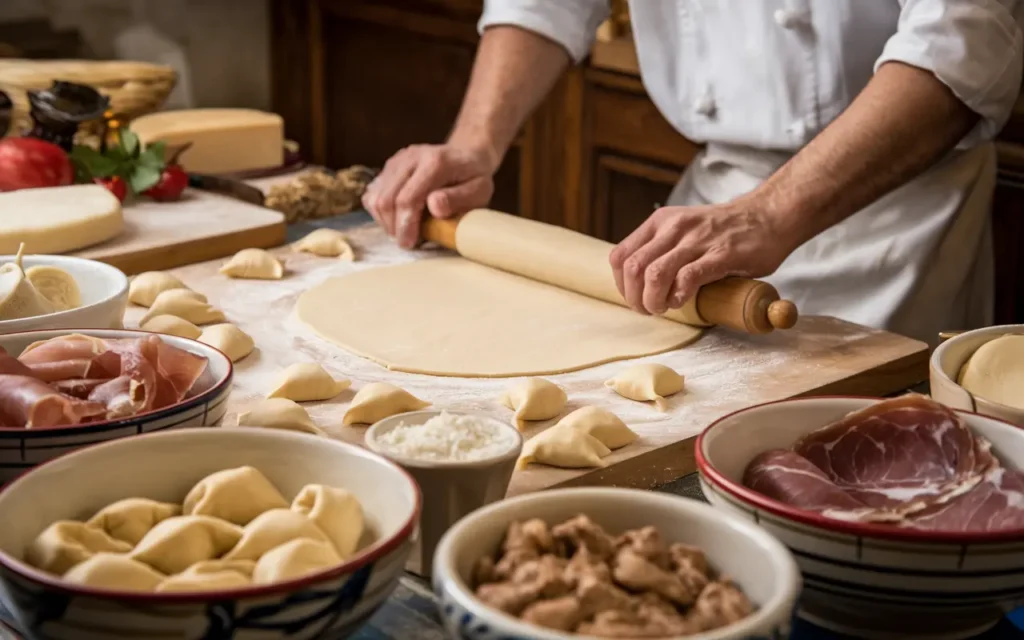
x: 223, y: 140
x: 58, y: 219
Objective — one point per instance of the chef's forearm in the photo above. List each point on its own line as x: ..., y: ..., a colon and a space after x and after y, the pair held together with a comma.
x: 900, y: 124
x: 514, y: 70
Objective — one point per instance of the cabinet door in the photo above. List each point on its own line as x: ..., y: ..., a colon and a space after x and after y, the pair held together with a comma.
x: 1008, y: 237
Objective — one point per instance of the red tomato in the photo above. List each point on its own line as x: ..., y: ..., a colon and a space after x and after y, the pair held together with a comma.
x: 173, y: 181
x: 27, y: 163
x: 115, y: 184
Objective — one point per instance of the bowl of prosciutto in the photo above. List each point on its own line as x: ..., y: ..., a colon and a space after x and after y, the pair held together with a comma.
x: 905, y: 516
x: 61, y: 391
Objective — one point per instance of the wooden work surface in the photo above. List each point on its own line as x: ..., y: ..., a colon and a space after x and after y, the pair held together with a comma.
x: 202, y: 226
x: 724, y: 371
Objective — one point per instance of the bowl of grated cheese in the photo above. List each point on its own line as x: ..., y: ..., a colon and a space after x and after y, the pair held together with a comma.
x: 460, y: 461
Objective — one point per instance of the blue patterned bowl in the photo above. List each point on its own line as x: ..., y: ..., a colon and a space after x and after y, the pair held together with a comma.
x: 330, y: 604
x: 753, y: 558
x: 22, y: 449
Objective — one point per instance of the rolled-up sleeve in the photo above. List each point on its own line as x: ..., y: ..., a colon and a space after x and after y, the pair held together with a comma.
x: 570, y: 23
x: 974, y: 47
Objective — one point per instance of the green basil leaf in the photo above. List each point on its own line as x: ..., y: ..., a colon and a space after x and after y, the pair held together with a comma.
x: 129, y: 142
x: 152, y: 158
x: 143, y: 178
x: 91, y: 162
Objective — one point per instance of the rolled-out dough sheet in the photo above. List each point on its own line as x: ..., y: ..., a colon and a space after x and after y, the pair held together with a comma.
x: 551, y: 254
x: 453, y: 317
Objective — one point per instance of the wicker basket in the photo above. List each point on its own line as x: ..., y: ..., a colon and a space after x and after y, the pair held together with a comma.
x: 134, y: 88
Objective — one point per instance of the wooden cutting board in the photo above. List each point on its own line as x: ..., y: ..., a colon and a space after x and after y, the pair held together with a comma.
x: 202, y: 226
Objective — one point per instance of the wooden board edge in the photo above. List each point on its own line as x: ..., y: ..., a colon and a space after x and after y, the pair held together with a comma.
x: 674, y: 461
x: 199, y: 249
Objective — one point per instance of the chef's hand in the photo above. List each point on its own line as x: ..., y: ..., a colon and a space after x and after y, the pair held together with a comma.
x: 677, y: 250
x: 445, y: 180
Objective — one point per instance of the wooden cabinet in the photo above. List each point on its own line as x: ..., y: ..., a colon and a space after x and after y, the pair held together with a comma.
x: 356, y: 80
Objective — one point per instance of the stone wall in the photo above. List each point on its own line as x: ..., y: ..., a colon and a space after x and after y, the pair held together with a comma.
x: 225, y: 42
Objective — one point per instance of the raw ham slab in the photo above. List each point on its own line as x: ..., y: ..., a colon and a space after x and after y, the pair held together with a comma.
x: 908, y: 461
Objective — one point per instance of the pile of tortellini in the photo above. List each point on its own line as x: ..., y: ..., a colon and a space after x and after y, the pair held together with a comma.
x: 234, y: 529
x: 36, y: 291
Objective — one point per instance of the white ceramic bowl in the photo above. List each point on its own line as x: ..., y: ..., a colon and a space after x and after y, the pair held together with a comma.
x: 22, y: 449
x: 104, y: 296
x: 163, y: 466
x: 944, y: 370
x: 750, y: 556
x: 450, y: 489
x: 869, y: 580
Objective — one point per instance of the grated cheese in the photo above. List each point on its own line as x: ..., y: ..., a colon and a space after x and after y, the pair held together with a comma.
x: 447, y: 438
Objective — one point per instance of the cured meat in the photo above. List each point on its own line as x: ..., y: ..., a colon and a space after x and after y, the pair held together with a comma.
x: 901, y: 454
x: 82, y: 377
x: 997, y: 503
x: 33, y: 403
x: 908, y: 461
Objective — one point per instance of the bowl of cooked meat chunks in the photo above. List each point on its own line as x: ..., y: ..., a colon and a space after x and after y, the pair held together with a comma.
x: 612, y: 563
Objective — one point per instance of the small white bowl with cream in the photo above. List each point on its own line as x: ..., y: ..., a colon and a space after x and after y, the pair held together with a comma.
x: 982, y: 371
x: 461, y: 462
x: 97, y: 300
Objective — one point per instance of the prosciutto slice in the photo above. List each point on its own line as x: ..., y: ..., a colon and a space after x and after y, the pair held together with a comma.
x: 78, y: 388
x: 33, y: 403
x: 123, y: 397
x: 908, y: 461
x: 73, y: 346
x: 9, y: 365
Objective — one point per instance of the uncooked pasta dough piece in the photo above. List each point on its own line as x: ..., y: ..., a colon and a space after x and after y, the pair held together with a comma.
x: 279, y: 413
x: 293, y: 560
x: 475, y: 321
x: 132, y: 518
x: 995, y: 372
x: 66, y: 543
x: 18, y: 297
x: 184, y: 304
x: 336, y: 511
x: 307, y: 381
x: 534, y: 399
x: 273, y: 528
x: 179, y: 542
x: 236, y: 495
x: 603, y: 425
x: 326, y: 243
x: 648, y: 381
x: 210, y: 575
x: 172, y: 326
x: 253, y: 264
x: 145, y: 287
x: 232, y: 341
x: 563, y: 446
x: 114, y: 571
x: 56, y: 285
x: 377, y: 401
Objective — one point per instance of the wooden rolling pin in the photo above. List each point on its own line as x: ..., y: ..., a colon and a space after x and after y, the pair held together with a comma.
x: 742, y: 304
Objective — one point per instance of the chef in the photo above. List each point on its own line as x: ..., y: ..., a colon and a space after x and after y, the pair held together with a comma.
x: 848, y: 161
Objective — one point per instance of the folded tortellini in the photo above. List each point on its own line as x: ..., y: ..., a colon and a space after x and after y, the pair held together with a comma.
x: 255, y: 264
x: 271, y: 529
x: 534, y: 399
x: 132, y: 518
x: 601, y: 424
x: 563, y: 446
x: 185, y: 304
x: 172, y: 326
x: 293, y: 560
x: 237, y: 495
x: 229, y: 339
x: 107, y: 570
x: 66, y: 543
x: 377, y: 401
x: 336, y: 512
x: 179, y: 542
x: 210, y: 575
x: 648, y: 381
x: 145, y: 287
x: 326, y: 243
x: 279, y: 413
x: 306, y: 382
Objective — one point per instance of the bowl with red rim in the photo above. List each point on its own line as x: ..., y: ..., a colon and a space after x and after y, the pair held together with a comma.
x: 870, y: 580
x: 330, y: 603
x: 204, y: 404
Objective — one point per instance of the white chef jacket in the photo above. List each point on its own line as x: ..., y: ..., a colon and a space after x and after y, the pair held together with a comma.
x: 757, y: 79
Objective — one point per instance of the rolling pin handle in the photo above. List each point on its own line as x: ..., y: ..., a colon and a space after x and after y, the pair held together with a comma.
x: 782, y: 314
